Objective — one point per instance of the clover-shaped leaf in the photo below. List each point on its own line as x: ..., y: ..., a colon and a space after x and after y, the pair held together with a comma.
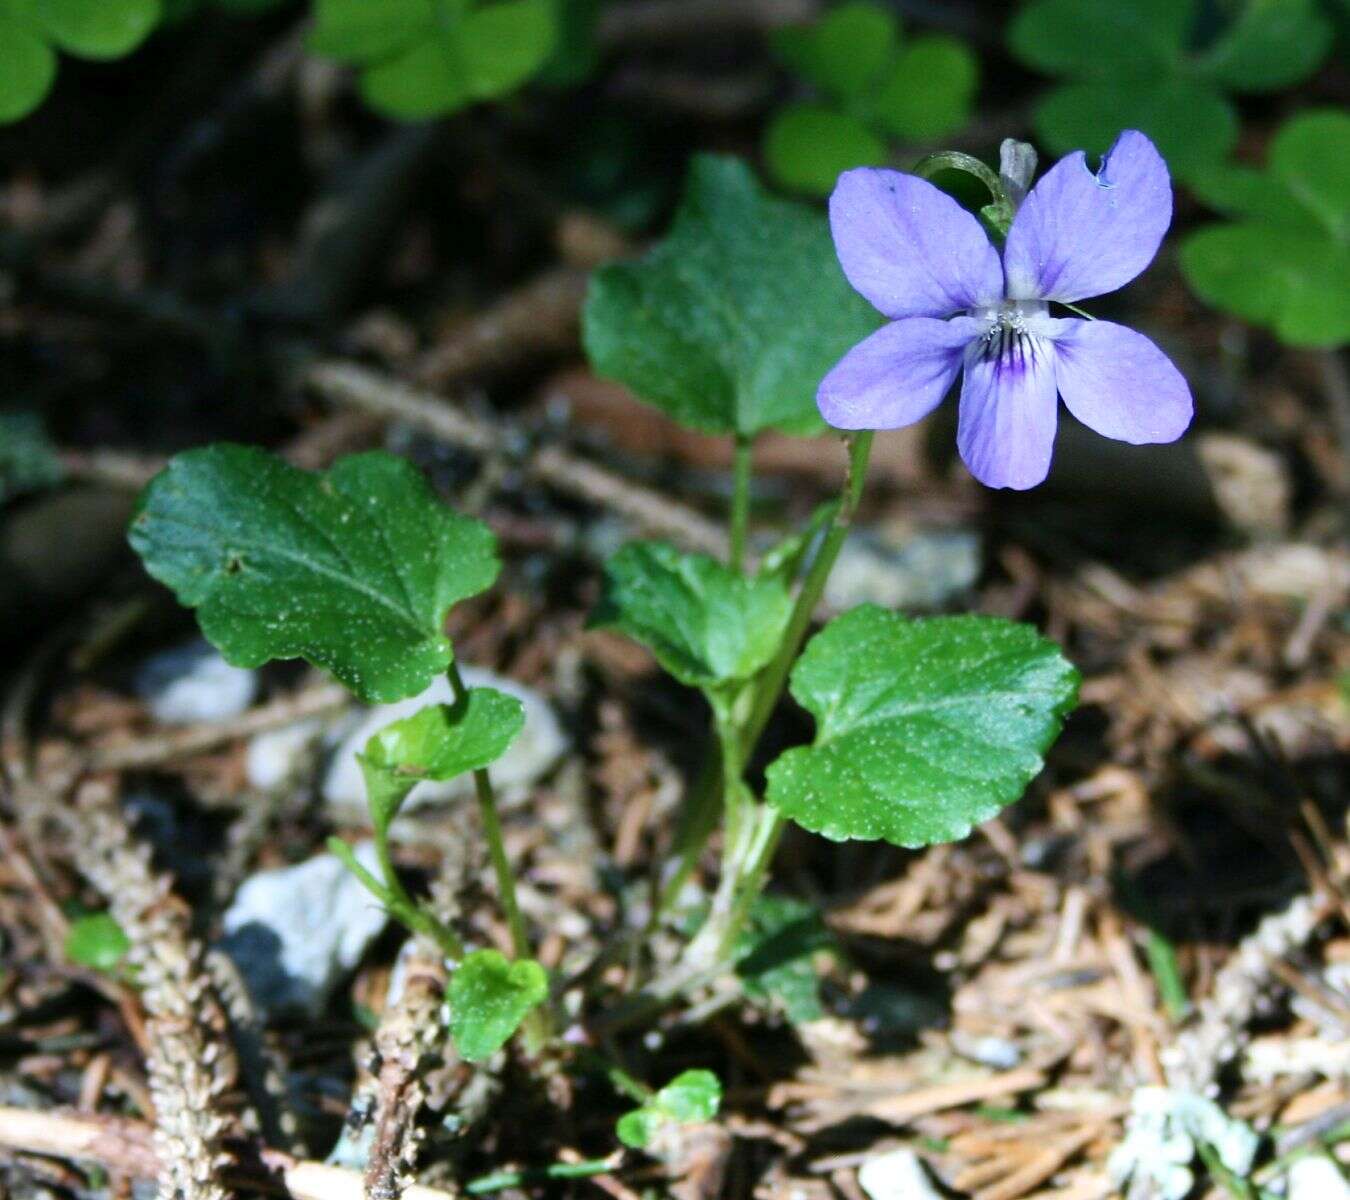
x: 353, y: 570
x: 436, y: 742
x: 923, y: 727
x: 489, y: 998
x: 31, y: 31
x: 28, y: 461
x: 708, y: 625
x: 729, y: 324
x: 874, y: 83
x: 426, y: 58
x: 1285, y: 259
x: 691, y: 1098
x: 1133, y: 64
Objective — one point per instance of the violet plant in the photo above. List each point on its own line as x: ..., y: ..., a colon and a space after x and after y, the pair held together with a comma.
x: 740, y: 322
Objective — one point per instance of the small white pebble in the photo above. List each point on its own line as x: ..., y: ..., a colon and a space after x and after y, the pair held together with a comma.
x: 898, y: 1175
x: 192, y: 683
x: 278, y: 756
x: 1317, y: 1178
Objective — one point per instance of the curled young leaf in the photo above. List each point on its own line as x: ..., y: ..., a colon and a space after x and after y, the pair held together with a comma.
x: 489, y: 998
x: 353, y: 570
x: 707, y: 624
x: 437, y: 742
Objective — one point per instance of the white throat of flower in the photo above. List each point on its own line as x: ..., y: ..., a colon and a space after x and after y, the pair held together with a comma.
x: 1011, y: 326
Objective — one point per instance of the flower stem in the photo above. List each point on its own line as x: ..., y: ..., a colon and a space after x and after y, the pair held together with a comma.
x: 492, y: 830
x: 770, y: 686
x: 742, y: 465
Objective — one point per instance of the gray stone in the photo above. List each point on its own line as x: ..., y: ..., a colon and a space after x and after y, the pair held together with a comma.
x: 296, y: 931
x: 191, y: 683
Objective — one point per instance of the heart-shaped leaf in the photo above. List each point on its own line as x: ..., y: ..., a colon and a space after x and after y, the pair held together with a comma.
x: 1285, y: 261
x: 489, y: 998
x: 730, y: 324
x: 707, y: 624
x: 775, y: 956
x: 353, y: 570
x: 437, y: 742
x: 691, y: 1098
x: 924, y: 727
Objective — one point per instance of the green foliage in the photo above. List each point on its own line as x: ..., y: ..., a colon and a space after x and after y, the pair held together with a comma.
x: 426, y: 58
x: 353, y: 570
x: 436, y: 742
x: 876, y: 84
x: 32, y: 31
x: 924, y: 727
x: 775, y: 956
x: 1284, y: 259
x: 707, y: 625
x: 489, y: 998
x: 96, y: 940
x: 730, y: 323
x: 28, y: 461
x: 691, y: 1098
x: 1130, y: 64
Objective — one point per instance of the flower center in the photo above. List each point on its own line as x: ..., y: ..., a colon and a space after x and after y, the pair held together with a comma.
x: 1011, y: 324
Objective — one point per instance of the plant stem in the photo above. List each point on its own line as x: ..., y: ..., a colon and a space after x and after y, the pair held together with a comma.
x: 492, y: 830
x: 500, y: 1180
x: 742, y: 465
x: 770, y: 686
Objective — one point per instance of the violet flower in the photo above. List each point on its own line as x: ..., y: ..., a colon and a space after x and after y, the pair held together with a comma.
x: 926, y: 263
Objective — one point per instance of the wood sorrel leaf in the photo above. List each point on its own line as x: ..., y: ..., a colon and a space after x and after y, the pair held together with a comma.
x: 924, y: 727
x: 846, y: 50
x: 729, y: 324
x: 489, y: 998
x: 1130, y: 64
x: 806, y: 146
x: 1284, y: 262
x: 707, y: 624
x: 423, y: 58
x: 28, y: 460
x: 353, y: 570
x: 437, y: 742
x: 691, y: 1098
x: 96, y: 940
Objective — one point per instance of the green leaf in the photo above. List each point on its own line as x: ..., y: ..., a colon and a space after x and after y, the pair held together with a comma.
x: 1285, y: 264
x: 775, y: 956
x: 806, y: 147
x: 845, y: 51
x: 506, y: 43
x: 730, y: 324
x: 1310, y: 156
x: 357, y: 31
x: 28, y: 461
x: 1102, y: 38
x: 427, y: 58
x: 353, y: 570
x: 1290, y: 280
x: 924, y: 727
x: 425, y: 80
x: 1192, y: 125
x: 98, y: 28
x: 691, y: 1098
x: 489, y: 998
x: 575, y: 50
x: 97, y: 941
x: 437, y: 742
x: 1273, y: 44
x: 707, y: 624
x: 27, y: 69
x: 929, y: 92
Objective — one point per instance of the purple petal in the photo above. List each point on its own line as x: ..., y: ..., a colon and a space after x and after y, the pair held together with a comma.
x: 1078, y: 234
x: 909, y: 248
x: 898, y: 375
x: 1008, y: 412
x: 1119, y: 383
